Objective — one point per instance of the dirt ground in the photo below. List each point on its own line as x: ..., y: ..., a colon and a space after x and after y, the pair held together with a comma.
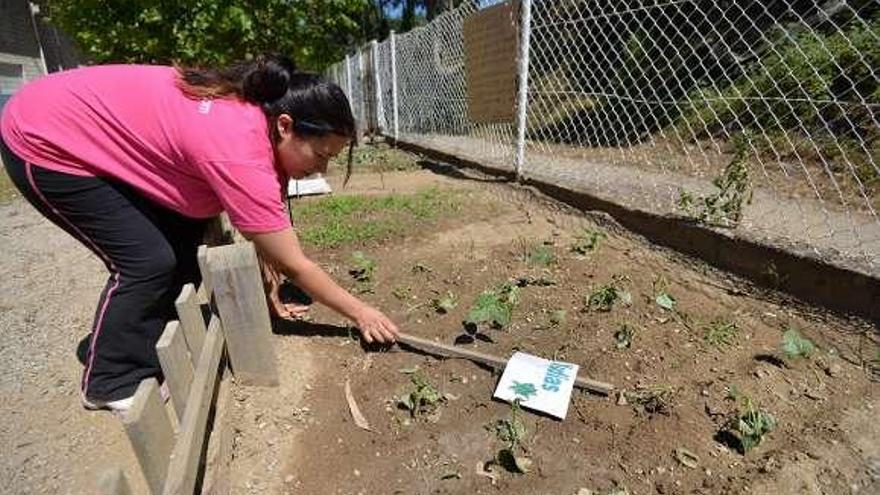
x: 300, y: 437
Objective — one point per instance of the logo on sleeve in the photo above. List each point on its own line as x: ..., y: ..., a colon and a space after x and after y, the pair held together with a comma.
x: 205, y: 106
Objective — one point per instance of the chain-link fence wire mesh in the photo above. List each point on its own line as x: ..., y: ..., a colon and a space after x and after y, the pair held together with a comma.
x: 751, y: 115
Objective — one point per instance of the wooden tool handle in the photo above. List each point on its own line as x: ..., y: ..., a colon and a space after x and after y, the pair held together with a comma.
x: 437, y: 348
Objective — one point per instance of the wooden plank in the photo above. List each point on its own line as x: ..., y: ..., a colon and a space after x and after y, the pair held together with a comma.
x: 241, y: 303
x: 491, y: 44
x: 496, y: 362
x: 217, y: 479
x: 189, y: 312
x: 177, y: 365
x: 113, y: 482
x: 183, y: 464
x: 149, y: 430
x: 204, y: 261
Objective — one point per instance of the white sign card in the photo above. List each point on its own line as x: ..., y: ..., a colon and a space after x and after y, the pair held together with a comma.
x: 540, y: 384
x: 307, y: 187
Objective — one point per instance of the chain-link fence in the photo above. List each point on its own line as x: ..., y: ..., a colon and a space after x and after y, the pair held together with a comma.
x: 759, y: 117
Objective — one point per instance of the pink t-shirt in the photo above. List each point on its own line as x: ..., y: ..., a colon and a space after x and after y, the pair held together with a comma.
x: 132, y: 123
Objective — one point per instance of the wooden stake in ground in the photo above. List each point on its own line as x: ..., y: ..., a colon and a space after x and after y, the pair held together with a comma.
x: 496, y: 362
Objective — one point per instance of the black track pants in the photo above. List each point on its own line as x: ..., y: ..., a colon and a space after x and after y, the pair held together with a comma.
x: 150, y: 252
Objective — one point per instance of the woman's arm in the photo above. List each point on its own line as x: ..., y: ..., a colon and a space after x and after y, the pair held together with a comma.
x: 283, y: 249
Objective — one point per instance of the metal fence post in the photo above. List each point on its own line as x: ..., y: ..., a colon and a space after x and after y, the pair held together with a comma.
x: 394, y: 82
x: 523, y: 96
x: 348, y: 82
x: 377, y: 83
x: 362, y: 100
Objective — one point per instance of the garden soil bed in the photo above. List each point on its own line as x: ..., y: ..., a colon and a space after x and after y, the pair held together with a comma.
x: 679, y: 389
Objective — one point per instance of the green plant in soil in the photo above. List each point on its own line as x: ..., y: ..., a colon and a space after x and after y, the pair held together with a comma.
x: 423, y: 398
x: 724, y: 207
x: 721, y: 333
x: 653, y: 400
x: 665, y: 300
x: 606, y: 296
x: 751, y: 425
x: 794, y: 345
x: 444, y: 304
x: 512, y: 431
x: 587, y: 241
x: 542, y: 255
x: 402, y: 292
x: 557, y: 317
x: 494, y: 306
x: 364, y: 268
x: 623, y: 338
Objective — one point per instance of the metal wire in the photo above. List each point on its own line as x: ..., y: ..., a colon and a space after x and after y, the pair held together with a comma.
x: 755, y: 116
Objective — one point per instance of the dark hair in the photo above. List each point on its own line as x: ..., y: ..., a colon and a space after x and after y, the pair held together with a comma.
x: 318, y: 107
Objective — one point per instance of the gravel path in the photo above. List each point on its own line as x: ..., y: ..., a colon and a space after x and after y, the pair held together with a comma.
x: 50, y: 287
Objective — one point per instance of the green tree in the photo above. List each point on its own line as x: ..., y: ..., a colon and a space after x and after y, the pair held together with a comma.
x: 212, y: 32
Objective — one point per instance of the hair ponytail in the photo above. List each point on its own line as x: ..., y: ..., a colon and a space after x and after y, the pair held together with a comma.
x: 259, y: 81
x: 267, y: 79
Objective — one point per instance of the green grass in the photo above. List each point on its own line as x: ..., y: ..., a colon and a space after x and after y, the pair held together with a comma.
x: 721, y: 333
x: 542, y: 256
x: 345, y: 220
x: 370, y: 158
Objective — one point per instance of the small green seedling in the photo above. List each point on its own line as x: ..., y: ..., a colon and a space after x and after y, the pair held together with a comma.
x: 723, y: 208
x: 513, y: 432
x: 422, y: 268
x: 606, y: 296
x: 653, y: 400
x: 587, y: 241
x: 445, y: 304
x: 402, y: 292
x: 364, y: 268
x: 494, y: 306
x: 752, y: 424
x: 557, y: 317
x: 721, y: 333
x: 542, y: 255
x: 665, y: 301
x: 623, y: 338
x: 794, y: 345
x: 424, y: 398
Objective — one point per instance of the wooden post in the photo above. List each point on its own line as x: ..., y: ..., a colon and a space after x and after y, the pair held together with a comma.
x: 183, y: 463
x: 238, y: 294
x: 204, y: 263
x: 149, y: 430
x: 189, y: 312
x: 176, y: 365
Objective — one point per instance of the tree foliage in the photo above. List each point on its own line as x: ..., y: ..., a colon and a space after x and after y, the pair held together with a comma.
x: 211, y: 32
x: 316, y: 33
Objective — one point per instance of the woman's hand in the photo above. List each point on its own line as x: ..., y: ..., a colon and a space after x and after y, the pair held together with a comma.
x: 272, y: 280
x: 375, y: 326
x: 283, y: 249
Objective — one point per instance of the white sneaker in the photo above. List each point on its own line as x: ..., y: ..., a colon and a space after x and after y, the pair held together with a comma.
x: 120, y: 406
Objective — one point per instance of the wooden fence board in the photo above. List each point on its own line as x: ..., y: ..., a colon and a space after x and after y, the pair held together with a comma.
x: 204, y: 292
x: 189, y: 311
x: 150, y: 432
x: 176, y: 365
x: 183, y: 465
x: 238, y: 293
